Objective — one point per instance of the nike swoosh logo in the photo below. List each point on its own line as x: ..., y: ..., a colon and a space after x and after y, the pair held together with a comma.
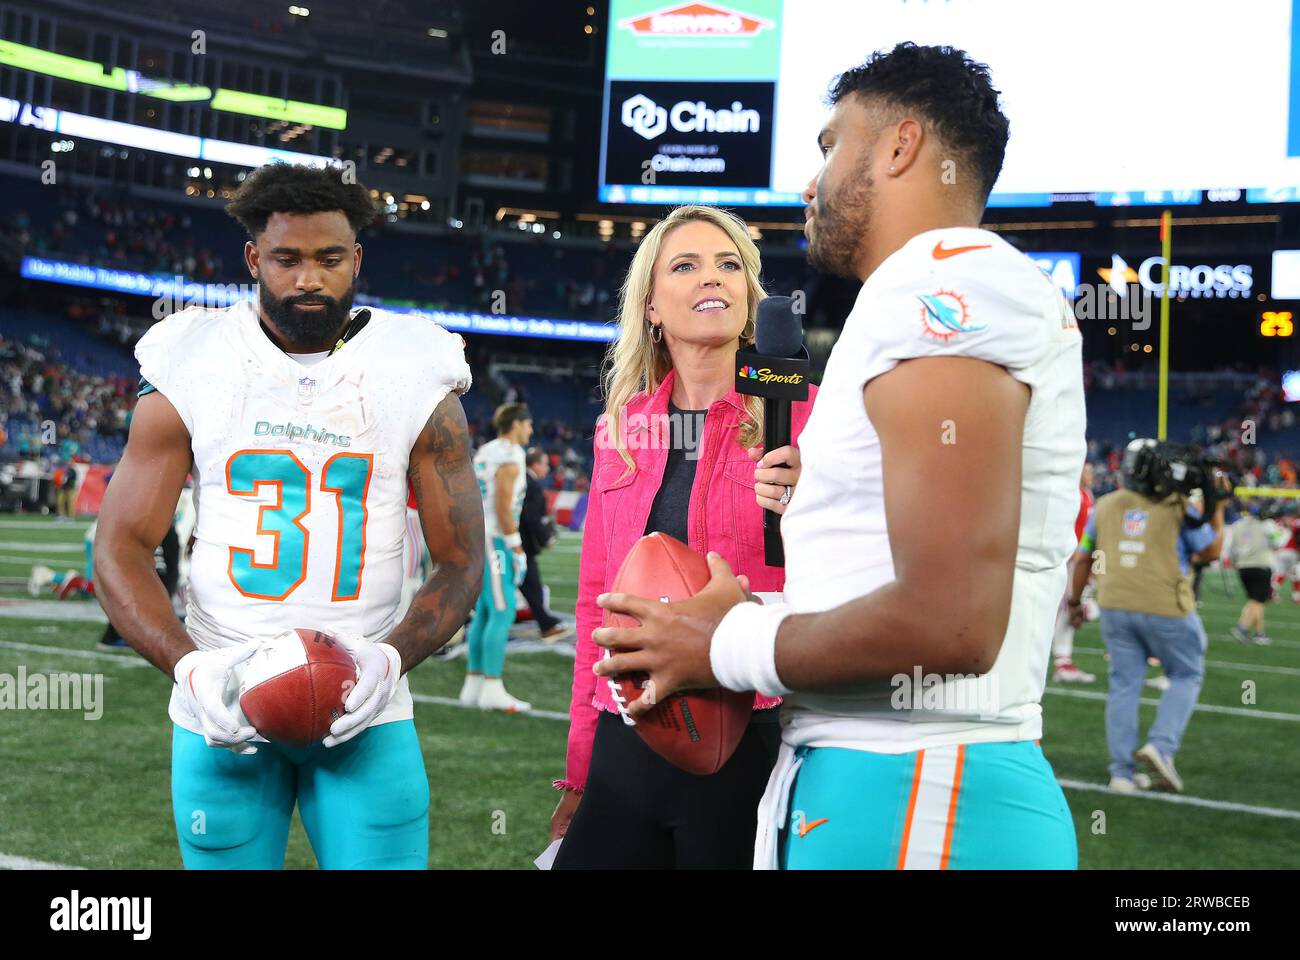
x: 806, y: 828
x: 943, y: 253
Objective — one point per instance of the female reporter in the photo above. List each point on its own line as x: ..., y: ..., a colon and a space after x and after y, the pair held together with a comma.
x: 677, y: 450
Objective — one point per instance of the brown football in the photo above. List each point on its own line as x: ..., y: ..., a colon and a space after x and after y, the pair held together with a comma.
x: 696, y: 730
x: 294, y: 686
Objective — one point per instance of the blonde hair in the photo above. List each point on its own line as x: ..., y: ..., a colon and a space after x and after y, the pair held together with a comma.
x: 634, y: 363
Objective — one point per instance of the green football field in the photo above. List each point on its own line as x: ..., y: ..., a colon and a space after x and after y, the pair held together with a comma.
x: 95, y: 793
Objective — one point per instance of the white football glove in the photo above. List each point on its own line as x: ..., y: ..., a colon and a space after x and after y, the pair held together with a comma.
x: 202, y: 676
x: 379, y: 668
x: 521, y: 566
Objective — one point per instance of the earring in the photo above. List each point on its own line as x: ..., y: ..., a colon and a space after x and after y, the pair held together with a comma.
x: 656, y: 333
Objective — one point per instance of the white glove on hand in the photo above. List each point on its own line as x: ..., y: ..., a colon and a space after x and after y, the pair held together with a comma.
x: 202, y: 677
x: 379, y: 668
x: 521, y: 566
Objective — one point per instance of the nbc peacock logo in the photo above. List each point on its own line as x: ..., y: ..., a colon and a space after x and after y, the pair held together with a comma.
x: 749, y: 372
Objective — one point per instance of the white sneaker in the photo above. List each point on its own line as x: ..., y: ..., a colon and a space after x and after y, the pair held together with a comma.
x: 1140, y: 781
x: 42, y: 576
x: 560, y: 631
x: 1067, y: 672
x: 469, y: 693
x: 1160, y: 682
x: 1164, y: 776
x: 495, y: 697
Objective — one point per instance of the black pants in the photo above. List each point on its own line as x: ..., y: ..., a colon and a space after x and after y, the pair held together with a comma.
x: 170, y: 575
x: 1257, y: 582
x: 531, y: 588
x: 641, y: 812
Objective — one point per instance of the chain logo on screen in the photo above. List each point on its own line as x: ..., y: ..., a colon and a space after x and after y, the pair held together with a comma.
x: 648, y: 119
x: 944, y: 314
x: 1202, y: 280
x: 765, y: 375
x: 696, y: 20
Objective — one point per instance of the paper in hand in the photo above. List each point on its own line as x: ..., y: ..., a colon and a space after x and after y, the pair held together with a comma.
x: 547, y: 857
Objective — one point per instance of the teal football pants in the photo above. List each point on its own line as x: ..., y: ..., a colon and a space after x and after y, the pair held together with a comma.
x: 364, y: 803
x: 493, y: 614
x: 980, y: 806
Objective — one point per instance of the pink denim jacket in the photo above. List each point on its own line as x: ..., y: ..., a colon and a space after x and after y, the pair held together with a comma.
x: 724, y: 516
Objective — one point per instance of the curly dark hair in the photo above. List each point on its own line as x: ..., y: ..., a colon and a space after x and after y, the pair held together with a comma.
x: 288, y: 188
x: 946, y: 87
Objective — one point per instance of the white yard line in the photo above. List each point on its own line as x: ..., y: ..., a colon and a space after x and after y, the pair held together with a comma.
x: 47, y: 547
x: 1199, y: 708
x: 122, y: 659
x: 9, y: 861
x: 453, y: 702
x: 1188, y: 801
x: 30, y: 560
x: 1221, y: 664
x: 35, y: 522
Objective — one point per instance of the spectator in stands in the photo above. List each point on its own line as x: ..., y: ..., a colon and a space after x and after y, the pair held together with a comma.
x: 537, y: 531
x: 671, y: 402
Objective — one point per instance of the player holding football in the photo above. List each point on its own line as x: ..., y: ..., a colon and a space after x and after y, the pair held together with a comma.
x: 304, y: 420
x: 912, y: 716
x: 499, y: 465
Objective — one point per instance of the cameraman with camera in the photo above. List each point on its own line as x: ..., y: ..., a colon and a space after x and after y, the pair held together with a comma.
x: 1145, y: 537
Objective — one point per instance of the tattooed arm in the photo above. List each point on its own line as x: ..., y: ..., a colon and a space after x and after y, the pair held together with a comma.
x: 451, y: 515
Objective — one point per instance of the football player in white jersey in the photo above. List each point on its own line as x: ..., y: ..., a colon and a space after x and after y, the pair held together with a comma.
x: 951, y: 411
x: 499, y: 465
x: 304, y: 420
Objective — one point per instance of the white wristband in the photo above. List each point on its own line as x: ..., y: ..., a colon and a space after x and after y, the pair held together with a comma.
x: 513, y: 540
x: 743, y: 651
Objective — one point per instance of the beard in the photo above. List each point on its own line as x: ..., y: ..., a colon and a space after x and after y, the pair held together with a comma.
x: 842, y: 220
x: 307, y: 328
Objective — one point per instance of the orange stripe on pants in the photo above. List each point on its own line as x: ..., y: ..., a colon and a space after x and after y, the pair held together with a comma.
x: 952, y: 807
x: 911, y: 808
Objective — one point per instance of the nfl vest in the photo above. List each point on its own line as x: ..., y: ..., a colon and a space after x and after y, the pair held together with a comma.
x: 1138, y: 540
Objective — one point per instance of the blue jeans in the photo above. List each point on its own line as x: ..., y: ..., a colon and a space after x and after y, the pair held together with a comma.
x: 1179, y: 644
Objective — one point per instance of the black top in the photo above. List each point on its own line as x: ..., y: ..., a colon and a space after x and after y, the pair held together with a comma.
x: 536, y: 529
x: 669, y: 512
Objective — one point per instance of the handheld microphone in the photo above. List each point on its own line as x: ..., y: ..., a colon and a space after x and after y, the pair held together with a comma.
x: 776, y: 369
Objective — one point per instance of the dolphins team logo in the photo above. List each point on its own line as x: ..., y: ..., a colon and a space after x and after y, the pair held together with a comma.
x: 944, y: 314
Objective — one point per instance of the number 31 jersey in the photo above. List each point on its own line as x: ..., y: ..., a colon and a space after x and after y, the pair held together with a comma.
x: 300, y: 471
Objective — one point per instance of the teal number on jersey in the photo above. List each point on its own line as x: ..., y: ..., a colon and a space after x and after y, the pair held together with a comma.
x: 245, y: 472
x: 346, y: 475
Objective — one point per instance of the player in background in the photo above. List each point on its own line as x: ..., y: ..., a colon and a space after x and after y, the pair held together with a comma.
x: 1286, y: 559
x: 499, y: 465
x: 1063, y: 639
x: 911, y: 722
x: 304, y: 420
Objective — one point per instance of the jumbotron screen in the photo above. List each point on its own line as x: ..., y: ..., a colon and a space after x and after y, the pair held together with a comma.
x: 1110, y: 101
